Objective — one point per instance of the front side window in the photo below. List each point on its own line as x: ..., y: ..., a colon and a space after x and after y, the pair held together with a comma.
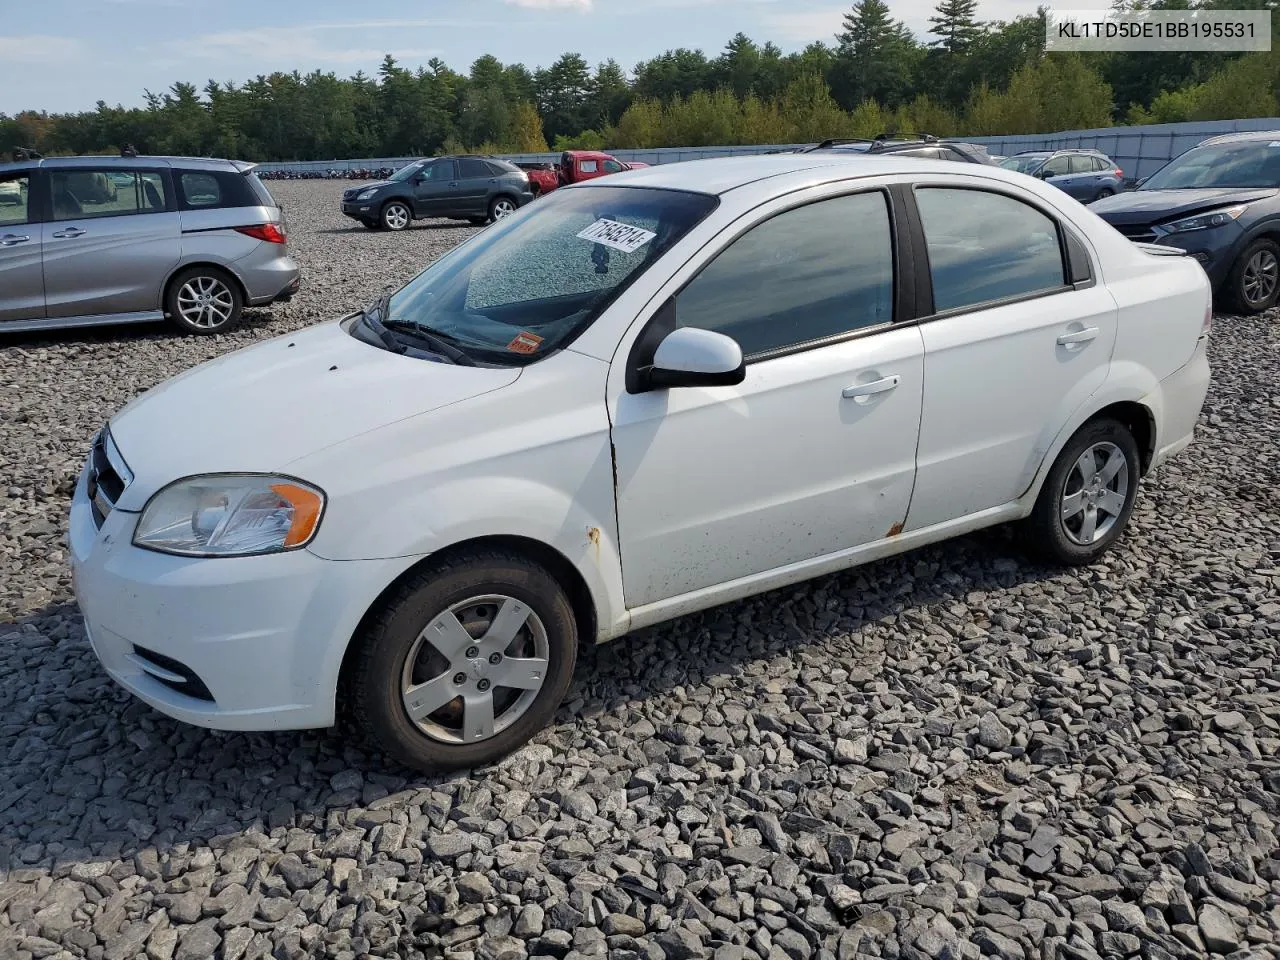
x: 533, y: 282
x: 590, y: 166
x: 1027, y: 163
x: 612, y: 166
x: 817, y: 271
x: 86, y: 194
x: 1056, y: 167
x: 421, y: 168
x: 985, y: 247
x: 1248, y: 163
x: 14, y: 203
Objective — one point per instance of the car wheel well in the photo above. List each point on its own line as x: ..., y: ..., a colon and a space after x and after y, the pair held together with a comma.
x: 204, y: 265
x: 1139, y: 421
x: 555, y: 562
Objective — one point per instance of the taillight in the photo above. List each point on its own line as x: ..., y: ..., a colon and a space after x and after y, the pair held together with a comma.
x: 1119, y: 172
x: 270, y: 232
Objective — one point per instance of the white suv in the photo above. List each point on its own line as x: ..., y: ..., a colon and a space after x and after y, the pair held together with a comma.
x: 634, y: 399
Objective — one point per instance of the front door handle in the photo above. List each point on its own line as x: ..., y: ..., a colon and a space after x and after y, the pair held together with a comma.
x: 69, y: 233
x: 870, y: 389
x: 9, y: 239
x: 1079, y: 336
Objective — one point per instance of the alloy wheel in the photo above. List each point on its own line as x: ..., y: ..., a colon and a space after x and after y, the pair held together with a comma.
x: 1261, y: 275
x: 205, y: 302
x: 475, y: 669
x: 1095, y: 493
x: 503, y: 208
x: 396, y: 216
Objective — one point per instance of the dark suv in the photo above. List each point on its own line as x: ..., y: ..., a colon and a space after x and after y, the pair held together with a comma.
x: 924, y: 145
x: 1219, y: 201
x: 479, y: 189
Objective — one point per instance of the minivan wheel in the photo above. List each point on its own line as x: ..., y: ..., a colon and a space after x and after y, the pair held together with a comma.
x: 396, y: 216
x: 501, y: 208
x: 1088, y: 496
x: 203, y: 300
x: 1254, y: 282
x: 465, y: 662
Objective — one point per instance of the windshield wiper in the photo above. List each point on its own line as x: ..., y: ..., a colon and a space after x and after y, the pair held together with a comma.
x: 388, y: 338
x: 438, y: 342
x: 375, y: 320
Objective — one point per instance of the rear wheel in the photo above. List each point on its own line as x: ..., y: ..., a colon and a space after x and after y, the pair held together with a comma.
x: 466, y: 662
x: 1104, y: 193
x: 501, y: 208
x: 1254, y: 281
x: 203, y: 300
x: 396, y: 215
x: 1088, y: 497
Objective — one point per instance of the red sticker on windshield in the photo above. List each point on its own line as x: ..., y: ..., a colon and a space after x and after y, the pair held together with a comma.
x: 524, y: 342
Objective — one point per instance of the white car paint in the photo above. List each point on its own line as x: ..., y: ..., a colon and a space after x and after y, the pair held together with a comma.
x: 663, y: 502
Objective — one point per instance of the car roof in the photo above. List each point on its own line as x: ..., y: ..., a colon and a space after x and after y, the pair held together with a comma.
x: 720, y: 175
x: 107, y: 162
x: 1243, y: 137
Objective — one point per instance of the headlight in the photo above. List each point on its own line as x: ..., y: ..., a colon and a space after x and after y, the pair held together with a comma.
x: 230, y: 515
x: 1203, y: 221
x: 366, y: 194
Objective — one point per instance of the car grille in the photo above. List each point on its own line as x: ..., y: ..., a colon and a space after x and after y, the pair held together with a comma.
x: 1138, y: 233
x: 108, y: 476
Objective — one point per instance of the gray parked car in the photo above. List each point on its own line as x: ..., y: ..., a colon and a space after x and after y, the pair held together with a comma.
x: 1085, y: 174
x: 479, y: 189
x: 98, y: 240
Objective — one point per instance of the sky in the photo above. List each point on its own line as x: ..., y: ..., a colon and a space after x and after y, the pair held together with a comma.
x: 65, y: 55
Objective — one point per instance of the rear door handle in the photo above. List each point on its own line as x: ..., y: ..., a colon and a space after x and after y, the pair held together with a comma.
x: 69, y: 233
x: 1079, y: 336
x: 870, y: 389
x: 9, y: 239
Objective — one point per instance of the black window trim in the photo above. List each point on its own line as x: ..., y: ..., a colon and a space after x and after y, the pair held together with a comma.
x: 1077, y: 276
x: 905, y: 290
x: 35, y: 197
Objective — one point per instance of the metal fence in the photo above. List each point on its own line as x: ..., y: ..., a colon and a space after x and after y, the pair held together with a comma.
x: 1140, y: 151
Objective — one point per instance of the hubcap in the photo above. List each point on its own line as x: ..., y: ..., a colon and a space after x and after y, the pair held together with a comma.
x: 1095, y: 493
x: 205, y: 302
x: 503, y: 208
x: 1261, y: 274
x: 475, y: 669
x: 397, y: 217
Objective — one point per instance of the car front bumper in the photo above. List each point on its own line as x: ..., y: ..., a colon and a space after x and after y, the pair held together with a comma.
x: 248, y: 643
x: 357, y: 210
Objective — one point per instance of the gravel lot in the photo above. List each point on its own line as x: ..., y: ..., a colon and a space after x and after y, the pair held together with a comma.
x: 950, y: 754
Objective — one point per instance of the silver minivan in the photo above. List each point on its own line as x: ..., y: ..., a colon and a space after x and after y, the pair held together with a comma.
x: 99, y: 240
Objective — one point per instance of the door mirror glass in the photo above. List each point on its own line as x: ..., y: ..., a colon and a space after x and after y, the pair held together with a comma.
x: 691, y: 357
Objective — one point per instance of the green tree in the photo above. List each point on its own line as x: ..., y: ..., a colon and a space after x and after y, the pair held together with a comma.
x: 562, y: 91
x: 876, y: 58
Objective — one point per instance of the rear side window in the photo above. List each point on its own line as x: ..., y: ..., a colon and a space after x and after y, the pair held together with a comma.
x: 473, y: 169
x: 89, y: 194
x: 814, y: 272
x: 214, y: 189
x: 498, y: 168
x: 985, y: 247
x: 1102, y: 164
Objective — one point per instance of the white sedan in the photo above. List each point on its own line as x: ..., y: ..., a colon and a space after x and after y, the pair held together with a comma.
x: 634, y: 399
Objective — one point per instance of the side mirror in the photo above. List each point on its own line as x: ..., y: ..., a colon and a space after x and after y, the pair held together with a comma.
x: 690, y: 357
x: 419, y: 179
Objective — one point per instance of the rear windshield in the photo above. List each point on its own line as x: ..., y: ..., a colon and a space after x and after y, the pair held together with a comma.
x: 534, y: 281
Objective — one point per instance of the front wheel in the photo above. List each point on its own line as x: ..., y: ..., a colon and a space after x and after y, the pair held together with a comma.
x: 465, y: 662
x: 396, y: 216
x: 1088, y: 496
x: 1254, y: 282
x: 501, y: 208
x: 203, y: 301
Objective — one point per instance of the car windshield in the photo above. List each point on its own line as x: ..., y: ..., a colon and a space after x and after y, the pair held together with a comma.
x: 1024, y: 164
x: 1250, y: 163
x: 531, y: 283
x: 404, y: 173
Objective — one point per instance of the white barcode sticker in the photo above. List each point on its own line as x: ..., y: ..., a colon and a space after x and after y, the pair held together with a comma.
x: 619, y: 236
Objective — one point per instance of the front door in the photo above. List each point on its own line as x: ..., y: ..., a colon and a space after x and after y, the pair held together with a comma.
x: 435, y: 189
x: 113, y: 239
x: 814, y: 452
x: 21, y: 275
x: 1013, y: 349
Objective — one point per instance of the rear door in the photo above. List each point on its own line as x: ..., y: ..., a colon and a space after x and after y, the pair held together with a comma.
x: 21, y: 276
x: 476, y: 183
x: 111, y: 241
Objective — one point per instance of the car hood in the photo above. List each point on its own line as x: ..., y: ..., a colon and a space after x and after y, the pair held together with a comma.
x: 369, y: 186
x: 1152, y: 206
x: 263, y: 407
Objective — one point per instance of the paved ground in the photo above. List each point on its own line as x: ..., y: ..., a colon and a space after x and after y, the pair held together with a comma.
x: 949, y: 754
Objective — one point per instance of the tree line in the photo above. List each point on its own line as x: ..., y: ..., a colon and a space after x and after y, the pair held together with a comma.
x: 968, y: 77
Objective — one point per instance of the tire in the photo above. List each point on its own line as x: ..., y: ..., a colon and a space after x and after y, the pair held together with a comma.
x: 501, y: 208
x: 469, y: 593
x: 1254, y: 281
x: 1104, y: 193
x: 395, y: 215
x: 203, y: 301
x: 1062, y: 538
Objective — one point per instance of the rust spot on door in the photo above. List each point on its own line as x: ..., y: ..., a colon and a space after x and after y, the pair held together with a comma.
x: 593, y: 537
x: 895, y: 530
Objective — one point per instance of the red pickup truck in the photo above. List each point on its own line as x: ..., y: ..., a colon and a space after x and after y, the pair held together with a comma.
x: 574, y: 167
